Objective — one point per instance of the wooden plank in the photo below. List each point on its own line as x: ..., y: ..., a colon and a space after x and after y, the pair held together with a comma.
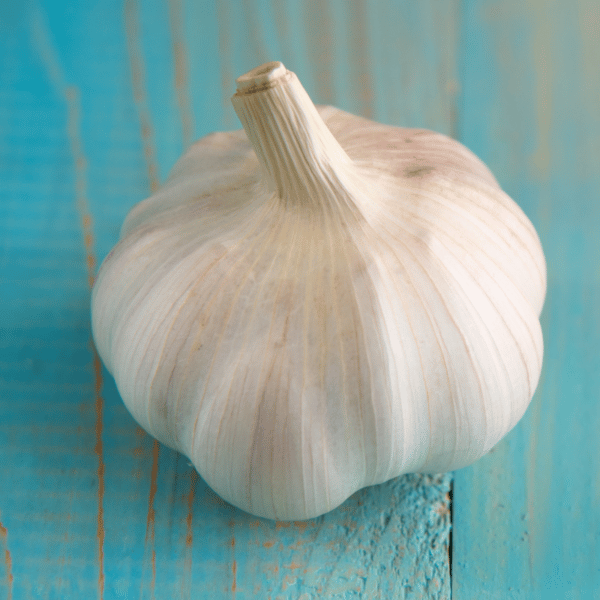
x: 526, y: 519
x: 98, y: 101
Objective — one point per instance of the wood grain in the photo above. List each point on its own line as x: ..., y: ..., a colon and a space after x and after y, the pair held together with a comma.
x: 526, y: 518
x: 98, y: 101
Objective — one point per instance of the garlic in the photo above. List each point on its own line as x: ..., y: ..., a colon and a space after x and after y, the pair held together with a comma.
x: 321, y: 303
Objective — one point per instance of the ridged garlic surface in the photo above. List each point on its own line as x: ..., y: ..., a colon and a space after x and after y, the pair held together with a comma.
x: 320, y: 303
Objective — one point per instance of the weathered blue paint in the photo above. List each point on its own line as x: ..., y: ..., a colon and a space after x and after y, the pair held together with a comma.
x: 526, y: 518
x: 97, y: 101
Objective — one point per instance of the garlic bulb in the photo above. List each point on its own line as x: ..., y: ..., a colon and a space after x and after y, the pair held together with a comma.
x: 321, y: 303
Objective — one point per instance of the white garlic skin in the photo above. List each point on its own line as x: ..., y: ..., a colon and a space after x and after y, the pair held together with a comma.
x: 371, y: 311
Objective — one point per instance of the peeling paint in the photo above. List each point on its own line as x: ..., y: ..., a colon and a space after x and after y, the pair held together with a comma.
x: 98, y: 449
x: 72, y: 96
x: 233, y: 561
x: 138, y: 82
x: 189, y: 537
x: 176, y: 18
x: 43, y: 42
x: 151, y: 515
x: 7, y: 561
x: 190, y: 503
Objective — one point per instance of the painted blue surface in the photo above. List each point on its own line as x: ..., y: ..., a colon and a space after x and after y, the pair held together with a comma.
x: 97, y: 100
x: 526, y: 518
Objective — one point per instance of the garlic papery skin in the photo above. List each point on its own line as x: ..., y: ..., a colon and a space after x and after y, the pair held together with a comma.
x: 318, y: 303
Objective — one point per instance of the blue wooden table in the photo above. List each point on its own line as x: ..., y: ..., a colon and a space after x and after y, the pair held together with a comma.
x: 97, y: 101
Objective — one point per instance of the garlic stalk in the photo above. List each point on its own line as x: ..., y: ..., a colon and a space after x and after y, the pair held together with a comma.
x: 320, y: 303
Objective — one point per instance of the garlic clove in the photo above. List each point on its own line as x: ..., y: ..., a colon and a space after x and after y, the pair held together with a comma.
x: 319, y: 303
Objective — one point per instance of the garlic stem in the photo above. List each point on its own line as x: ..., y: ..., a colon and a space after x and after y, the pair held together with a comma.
x: 301, y: 159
